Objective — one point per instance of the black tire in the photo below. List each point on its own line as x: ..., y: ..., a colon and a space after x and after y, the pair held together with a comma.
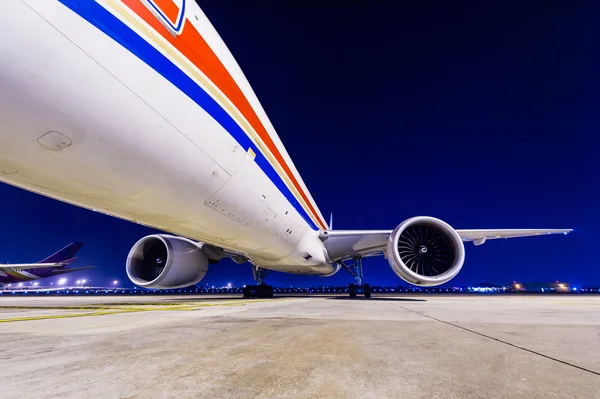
x: 367, y: 289
x: 251, y: 291
x: 262, y: 291
x: 352, y: 290
x: 268, y: 291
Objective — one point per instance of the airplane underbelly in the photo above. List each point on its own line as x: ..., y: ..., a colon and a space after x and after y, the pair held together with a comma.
x: 86, y: 121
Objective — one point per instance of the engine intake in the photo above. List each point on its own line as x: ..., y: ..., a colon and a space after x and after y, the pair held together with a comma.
x: 163, y: 261
x: 425, y: 251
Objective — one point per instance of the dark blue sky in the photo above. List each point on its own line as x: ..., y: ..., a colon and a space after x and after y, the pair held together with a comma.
x: 483, y: 115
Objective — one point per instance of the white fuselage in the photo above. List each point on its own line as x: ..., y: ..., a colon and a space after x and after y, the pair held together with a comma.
x: 102, y: 107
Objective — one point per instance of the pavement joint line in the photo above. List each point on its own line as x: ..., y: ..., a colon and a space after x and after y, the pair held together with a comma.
x: 498, y: 340
x: 102, y: 311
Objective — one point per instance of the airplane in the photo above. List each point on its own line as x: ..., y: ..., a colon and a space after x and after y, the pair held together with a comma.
x: 137, y: 109
x: 53, y: 265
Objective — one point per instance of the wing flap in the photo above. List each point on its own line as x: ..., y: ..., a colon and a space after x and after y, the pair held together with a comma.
x: 346, y: 244
x: 56, y: 272
x: 480, y: 236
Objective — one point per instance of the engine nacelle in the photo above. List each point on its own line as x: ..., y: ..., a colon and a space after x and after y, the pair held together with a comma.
x: 163, y: 261
x: 336, y: 269
x: 425, y: 251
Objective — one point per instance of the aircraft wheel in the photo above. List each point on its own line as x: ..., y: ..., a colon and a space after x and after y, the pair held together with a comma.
x: 352, y: 291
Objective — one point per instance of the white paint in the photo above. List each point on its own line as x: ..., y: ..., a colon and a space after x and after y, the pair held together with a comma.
x: 140, y: 149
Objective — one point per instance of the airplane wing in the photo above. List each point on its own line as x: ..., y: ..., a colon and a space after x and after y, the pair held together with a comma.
x: 480, y: 236
x: 347, y: 244
x: 56, y: 272
x: 29, y: 265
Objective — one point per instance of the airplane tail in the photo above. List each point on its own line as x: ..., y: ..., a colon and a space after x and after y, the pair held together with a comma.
x: 65, y: 255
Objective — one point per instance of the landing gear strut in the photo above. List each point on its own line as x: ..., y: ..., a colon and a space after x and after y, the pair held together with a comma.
x: 260, y: 290
x: 358, y: 288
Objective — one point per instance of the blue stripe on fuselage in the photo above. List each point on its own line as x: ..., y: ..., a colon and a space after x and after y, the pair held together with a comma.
x: 106, y: 22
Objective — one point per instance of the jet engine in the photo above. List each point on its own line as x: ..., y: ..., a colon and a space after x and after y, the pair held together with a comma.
x: 162, y: 261
x: 425, y: 251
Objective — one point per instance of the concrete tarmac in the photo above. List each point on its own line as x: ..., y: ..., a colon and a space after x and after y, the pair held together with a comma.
x: 411, y: 346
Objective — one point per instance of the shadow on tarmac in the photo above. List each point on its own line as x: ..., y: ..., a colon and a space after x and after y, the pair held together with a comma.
x: 335, y: 297
x: 347, y: 298
x: 233, y: 298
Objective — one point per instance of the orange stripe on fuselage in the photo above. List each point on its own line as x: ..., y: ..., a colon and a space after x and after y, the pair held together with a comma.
x: 169, y: 8
x: 191, y: 44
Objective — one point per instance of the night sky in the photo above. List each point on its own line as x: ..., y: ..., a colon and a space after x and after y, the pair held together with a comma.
x: 485, y: 116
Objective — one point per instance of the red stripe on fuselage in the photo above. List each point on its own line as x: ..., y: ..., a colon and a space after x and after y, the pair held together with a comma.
x: 191, y: 44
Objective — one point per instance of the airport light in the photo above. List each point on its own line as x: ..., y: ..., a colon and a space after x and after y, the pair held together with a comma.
x: 20, y: 284
x: 36, y: 283
x: 62, y: 281
x: 115, y: 284
x: 228, y: 285
x: 83, y: 281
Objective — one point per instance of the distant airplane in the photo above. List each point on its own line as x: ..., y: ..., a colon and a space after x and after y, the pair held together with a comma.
x: 53, y: 265
x: 137, y: 109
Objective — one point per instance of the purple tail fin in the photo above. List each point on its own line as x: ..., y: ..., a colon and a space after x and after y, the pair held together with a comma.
x: 65, y: 254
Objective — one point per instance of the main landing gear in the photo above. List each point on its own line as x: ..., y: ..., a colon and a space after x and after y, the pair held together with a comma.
x: 260, y: 290
x: 358, y: 288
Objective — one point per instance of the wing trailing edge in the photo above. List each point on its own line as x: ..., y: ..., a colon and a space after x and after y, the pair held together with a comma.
x: 346, y: 244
